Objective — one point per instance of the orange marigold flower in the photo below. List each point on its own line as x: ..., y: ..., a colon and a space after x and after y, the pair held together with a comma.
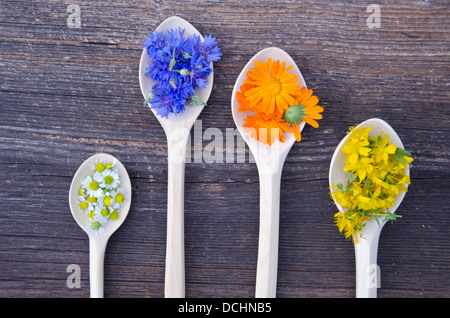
x: 244, y: 104
x: 266, y: 128
x: 273, y: 87
x: 305, y: 110
x: 279, y: 105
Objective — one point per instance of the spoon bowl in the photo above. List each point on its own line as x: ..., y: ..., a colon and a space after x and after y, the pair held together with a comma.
x: 269, y: 161
x: 282, y: 148
x: 98, y: 241
x: 177, y: 128
x: 366, y: 250
x: 191, y: 113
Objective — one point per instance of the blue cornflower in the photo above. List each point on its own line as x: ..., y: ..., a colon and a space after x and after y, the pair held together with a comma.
x: 161, y: 102
x: 182, y: 89
x: 180, y: 46
x: 199, y: 71
x: 158, y: 70
x: 164, y: 100
x: 170, y: 97
x: 208, y: 49
x: 177, y: 40
x: 178, y: 65
x: 157, y: 46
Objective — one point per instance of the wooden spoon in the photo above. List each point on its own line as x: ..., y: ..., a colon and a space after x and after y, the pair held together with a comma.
x: 177, y: 129
x: 98, y: 241
x: 270, y: 161
x: 367, y: 278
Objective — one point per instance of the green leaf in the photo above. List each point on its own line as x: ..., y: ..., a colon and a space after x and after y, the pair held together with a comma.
x: 402, y: 152
x: 399, y: 159
x: 195, y: 101
x: 150, y: 96
x: 378, y: 221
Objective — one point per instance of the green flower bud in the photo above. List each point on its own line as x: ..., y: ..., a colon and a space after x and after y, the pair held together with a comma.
x: 195, y: 101
x: 185, y: 72
x: 294, y: 114
x: 149, y: 98
x: 172, y: 61
x: 96, y: 225
x: 172, y: 83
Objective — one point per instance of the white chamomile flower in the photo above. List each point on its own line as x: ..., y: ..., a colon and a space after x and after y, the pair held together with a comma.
x: 85, y: 206
x: 99, y: 178
x: 102, y: 209
x: 100, y: 218
x: 111, y: 205
x: 110, y: 200
x: 110, y: 179
x: 98, y: 166
x: 107, y: 199
x: 94, y: 227
x: 118, y: 198
x: 92, y: 185
x: 110, y: 165
x: 99, y: 196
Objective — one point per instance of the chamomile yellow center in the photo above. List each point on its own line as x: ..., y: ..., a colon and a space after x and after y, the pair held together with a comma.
x: 84, y: 205
x: 119, y: 198
x: 107, y: 200
x: 109, y: 180
x: 93, y: 185
x: 100, y: 167
x: 114, y: 215
x: 91, y: 199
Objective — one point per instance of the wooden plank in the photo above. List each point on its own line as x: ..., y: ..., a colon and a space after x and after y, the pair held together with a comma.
x: 66, y: 94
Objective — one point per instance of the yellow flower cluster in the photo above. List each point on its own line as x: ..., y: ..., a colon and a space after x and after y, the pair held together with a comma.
x: 376, y: 177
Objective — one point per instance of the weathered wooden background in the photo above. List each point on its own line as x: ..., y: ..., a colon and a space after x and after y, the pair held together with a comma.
x: 67, y: 93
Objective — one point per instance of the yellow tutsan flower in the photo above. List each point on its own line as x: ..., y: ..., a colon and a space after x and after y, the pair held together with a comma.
x: 377, y: 176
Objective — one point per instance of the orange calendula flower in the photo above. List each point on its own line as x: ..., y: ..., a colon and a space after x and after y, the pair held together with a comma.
x: 273, y: 87
x: 276, y: 100
x: 305, y: 110
x: 266, y: 128
x: 243, y: 102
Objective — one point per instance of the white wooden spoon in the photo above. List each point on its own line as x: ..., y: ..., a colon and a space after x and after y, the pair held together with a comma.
x: 269, y: 160
x: 98, y: 241
x: 367, y: 276
x: 177, y: 129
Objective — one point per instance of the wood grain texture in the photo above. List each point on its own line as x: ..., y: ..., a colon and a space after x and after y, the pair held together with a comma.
x: 66, y: 94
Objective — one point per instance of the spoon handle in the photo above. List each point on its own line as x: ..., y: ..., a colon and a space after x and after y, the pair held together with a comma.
x: 367, y: 270
x: 175, y: 276
x: 97, y: 247
x: 269, y: 207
